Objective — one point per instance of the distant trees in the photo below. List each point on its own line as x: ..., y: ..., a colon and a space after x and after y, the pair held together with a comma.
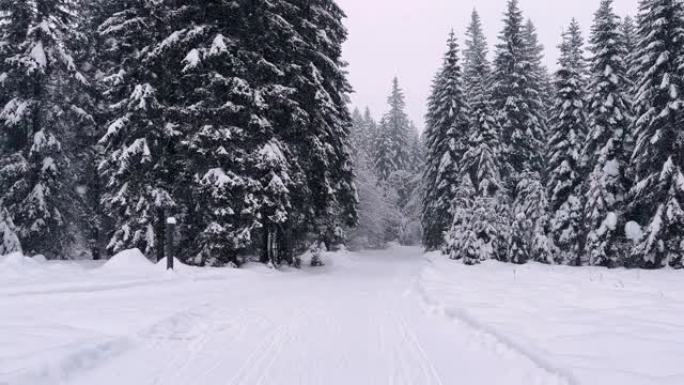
x: 388, y: 162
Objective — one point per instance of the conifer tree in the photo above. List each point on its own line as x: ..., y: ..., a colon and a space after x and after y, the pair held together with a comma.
x: 235, y: 166
x: 9, y: 241
x: 462, y: 241
x: 446, y: 140
x: 656, y: 198
x: 371, y: 131
x: 566, y: 139
x: 392, y: 146
x: 476, y: 67
x: 609, y: 109
x: 629, y: 36
x: 516, y: 98
x: 541, y: 82
x: 321, y: 88
x: 137, y: 168
x: 483, y: 162
x: 629, y: 40
x: 529, y: 240
x: 363, y: 131
x: 41, y: 81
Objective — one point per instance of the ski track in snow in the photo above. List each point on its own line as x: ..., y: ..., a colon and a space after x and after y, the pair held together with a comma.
x: 377, y: 318
x: 495, y: 341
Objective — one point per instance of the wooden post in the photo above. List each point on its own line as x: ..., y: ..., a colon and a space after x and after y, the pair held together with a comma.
x: 170, y: 231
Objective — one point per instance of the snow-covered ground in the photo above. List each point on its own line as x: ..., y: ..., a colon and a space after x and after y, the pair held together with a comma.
x: 393, y: 317
x: 594, y: 326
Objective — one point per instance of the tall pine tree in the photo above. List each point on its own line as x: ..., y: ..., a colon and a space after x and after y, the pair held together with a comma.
x: 138, y: 168
x: 476, y: 67
x: 392, y: 143
x: 516, y: 97
x: 609, y: 109
x: 657, y: 197
x: 446, y: 140
x: 518, y: 102
x: 41, y: 83
x: 566, y: 139
x: 318, y: 127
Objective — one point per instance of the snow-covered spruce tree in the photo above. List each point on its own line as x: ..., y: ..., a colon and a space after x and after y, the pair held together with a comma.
x: 529, y: 240
x: 138, y: 167
x: 409, y: 184
x: 657, y: 197
x: 363, y: 133
x: 628, y: 34
x: 416, y: 150
x: 227, y: 102
x: 629, y: 39
x: 392, y: 143
x: 568, y: 129
x: 519, y: 106
x: 542, y: 82
x: 89, y: 125
x: 446, y: 136
x: 483, y: 162
x: 9, y: 241
x: 228, y: 146
x: 371, y: 131
x: 307, y: 48
x: 475, y: 235
x: 359, y: 132
x: 609, y: 109
x: 476, y: 67
x: 40, y: 83
x: 516, y: 98
x: 328, y: 18
x: 461, y: 239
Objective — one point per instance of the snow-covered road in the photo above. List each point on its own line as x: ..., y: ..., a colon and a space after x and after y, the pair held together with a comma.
x: 393, y: 317
x: 360, y: 320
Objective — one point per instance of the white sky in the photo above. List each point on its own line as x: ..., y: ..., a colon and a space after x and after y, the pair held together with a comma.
x: 407, y: 38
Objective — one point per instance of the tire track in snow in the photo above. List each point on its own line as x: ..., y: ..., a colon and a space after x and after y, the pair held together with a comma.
x: 489, y: 337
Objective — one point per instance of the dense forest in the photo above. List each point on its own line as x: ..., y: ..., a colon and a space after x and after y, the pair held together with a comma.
x: 234, y: 118
x: 582, y: 166
x: 230, y: 116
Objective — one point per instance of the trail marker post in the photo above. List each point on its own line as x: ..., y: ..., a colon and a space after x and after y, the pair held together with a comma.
x: 170, y: 231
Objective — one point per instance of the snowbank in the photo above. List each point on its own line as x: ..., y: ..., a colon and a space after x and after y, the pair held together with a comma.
x: 179, y: 267
x: 16, y: 260
x: 129, y: 260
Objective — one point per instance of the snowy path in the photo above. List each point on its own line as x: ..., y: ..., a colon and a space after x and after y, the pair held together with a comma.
x: 361, y: 320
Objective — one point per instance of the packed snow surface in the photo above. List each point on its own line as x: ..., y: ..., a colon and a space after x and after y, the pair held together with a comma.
x: 392, y: 317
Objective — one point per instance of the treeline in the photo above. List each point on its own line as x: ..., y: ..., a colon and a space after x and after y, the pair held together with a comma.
x: 229, y: 115
x: 388, y: 161
x: 582, y: 167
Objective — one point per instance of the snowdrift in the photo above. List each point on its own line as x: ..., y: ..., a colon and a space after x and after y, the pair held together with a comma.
x: 129, y: 260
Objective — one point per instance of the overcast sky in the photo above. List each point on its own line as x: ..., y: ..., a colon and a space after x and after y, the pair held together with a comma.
x: 407, y: 38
